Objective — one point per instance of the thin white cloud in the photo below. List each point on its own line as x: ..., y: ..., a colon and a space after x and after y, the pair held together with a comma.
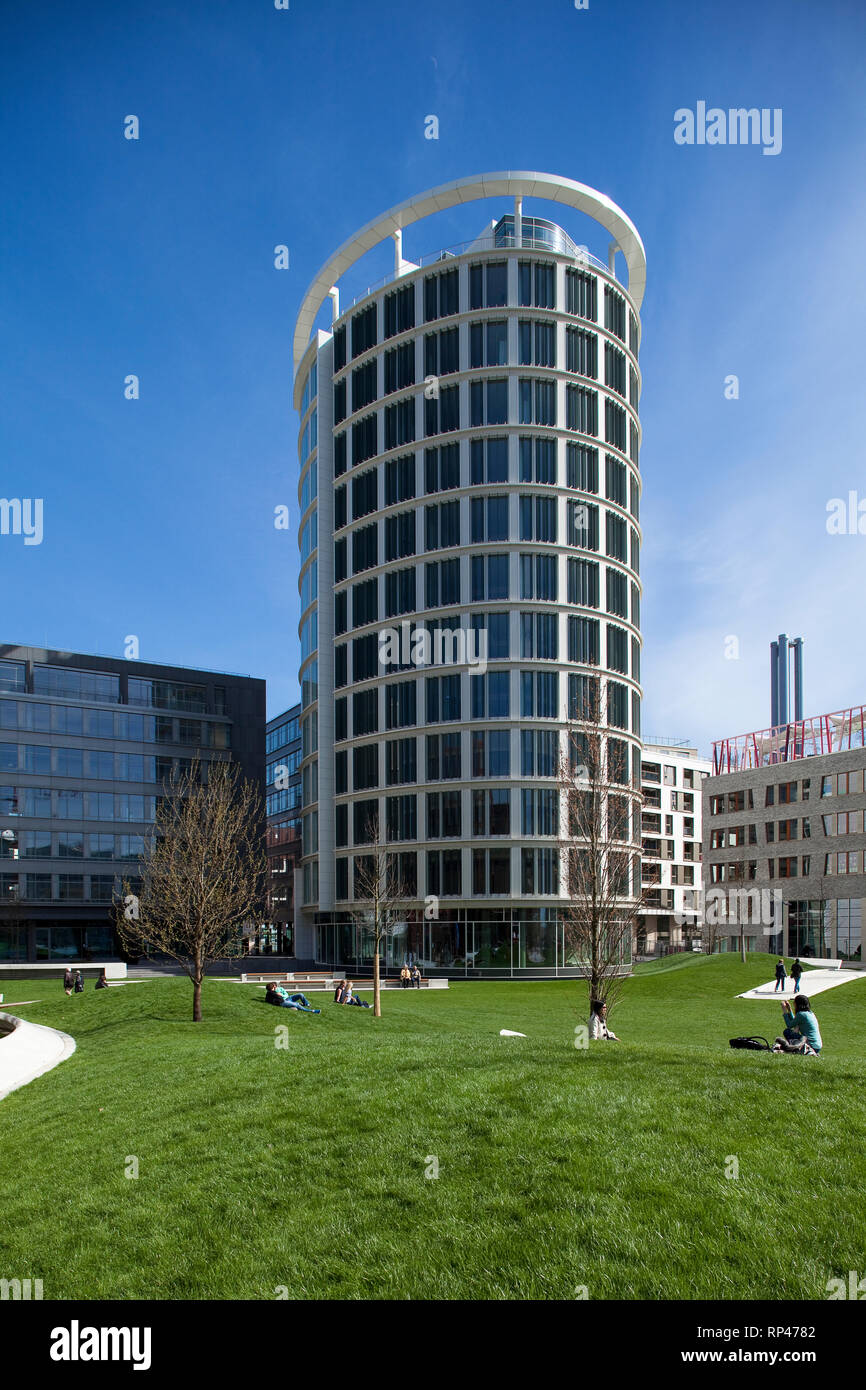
x: 744, y: 550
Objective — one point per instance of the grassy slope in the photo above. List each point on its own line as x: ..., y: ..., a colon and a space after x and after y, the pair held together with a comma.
x: 305, y: 1167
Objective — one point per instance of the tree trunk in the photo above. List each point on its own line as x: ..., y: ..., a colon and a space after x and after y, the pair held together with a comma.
x: 377, y: 996
x: 595, y: 986
x: 196, y: 992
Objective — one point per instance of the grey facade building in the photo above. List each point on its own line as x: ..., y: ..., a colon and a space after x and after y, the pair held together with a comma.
x: 86, y: 744
x: 784, y: 839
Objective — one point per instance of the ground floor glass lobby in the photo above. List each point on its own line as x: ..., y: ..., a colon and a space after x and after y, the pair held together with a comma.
x: 470, y: 941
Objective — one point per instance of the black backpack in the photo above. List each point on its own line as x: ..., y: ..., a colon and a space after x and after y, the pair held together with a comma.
x: 751, y: 1044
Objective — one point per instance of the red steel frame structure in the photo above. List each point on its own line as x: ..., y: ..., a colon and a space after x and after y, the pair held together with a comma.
x: 803, y: 738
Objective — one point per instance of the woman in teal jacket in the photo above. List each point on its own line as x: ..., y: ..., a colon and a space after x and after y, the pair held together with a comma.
x: 801, y: 1028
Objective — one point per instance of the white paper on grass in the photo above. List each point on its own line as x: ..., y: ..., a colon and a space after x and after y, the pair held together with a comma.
x: 507, y: 1033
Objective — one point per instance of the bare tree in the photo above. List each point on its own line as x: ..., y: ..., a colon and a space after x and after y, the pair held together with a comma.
x: 689, y: 919
x: 203, y: 875
x: 825, y: 938
x: 599, y: 847
x: 711, y: 925
x: 381, y: 898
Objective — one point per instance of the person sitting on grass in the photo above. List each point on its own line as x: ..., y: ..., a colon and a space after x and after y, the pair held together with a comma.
x: 102, y: 982
x: 801, y: 1033
x: 349, y: 997
x: 598, y: 1022
x: 275, y: 995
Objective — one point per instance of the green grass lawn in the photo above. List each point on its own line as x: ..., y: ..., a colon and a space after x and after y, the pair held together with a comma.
x: 304, y: 1167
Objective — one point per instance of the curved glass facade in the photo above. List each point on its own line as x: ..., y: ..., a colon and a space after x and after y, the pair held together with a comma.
x: 478, y: 563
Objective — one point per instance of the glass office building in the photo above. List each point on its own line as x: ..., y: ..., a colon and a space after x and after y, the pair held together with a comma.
x: 86, y: 744
x: 470, y: 571
x: 283, y: 805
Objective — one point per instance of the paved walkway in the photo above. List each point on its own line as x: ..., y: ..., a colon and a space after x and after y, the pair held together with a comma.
x: 29, y: 1050
x: 812, y: 982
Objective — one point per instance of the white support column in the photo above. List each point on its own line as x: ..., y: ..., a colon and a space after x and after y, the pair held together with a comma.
x: 334, y: 294
x: 518, y: 220
x: 611, y: 257
x: 397, y: 234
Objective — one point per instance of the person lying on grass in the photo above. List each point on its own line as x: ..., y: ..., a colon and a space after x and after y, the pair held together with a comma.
x: 275, y: 995
x: 801, y: 1033
x: 598, y: 1022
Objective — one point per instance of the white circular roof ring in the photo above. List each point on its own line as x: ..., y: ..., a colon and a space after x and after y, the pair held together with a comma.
x: 521, y: 183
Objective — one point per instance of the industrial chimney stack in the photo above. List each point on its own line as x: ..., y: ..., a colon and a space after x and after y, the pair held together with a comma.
x: 786, y: 681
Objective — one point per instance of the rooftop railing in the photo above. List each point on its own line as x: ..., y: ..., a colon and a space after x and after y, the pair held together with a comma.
x: 492, y: 240
x: 815, y: 736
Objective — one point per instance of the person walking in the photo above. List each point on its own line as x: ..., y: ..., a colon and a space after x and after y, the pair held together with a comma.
x: 780, y: 976
x: 79, y: 982
x: 796, y: 975
x: 68, y: 980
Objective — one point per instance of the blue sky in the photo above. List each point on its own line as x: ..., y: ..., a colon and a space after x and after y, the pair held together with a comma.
x: 261, y: 127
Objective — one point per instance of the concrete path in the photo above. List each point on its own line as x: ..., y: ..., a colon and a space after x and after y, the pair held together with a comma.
x: 27, y: 1050
x: 812, y: 982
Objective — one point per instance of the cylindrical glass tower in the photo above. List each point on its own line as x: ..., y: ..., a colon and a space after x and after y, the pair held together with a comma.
x: 470, y: 571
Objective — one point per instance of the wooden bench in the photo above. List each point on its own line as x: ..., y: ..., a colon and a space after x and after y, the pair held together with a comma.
x: 321, y: 980
x: 364, y: 982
